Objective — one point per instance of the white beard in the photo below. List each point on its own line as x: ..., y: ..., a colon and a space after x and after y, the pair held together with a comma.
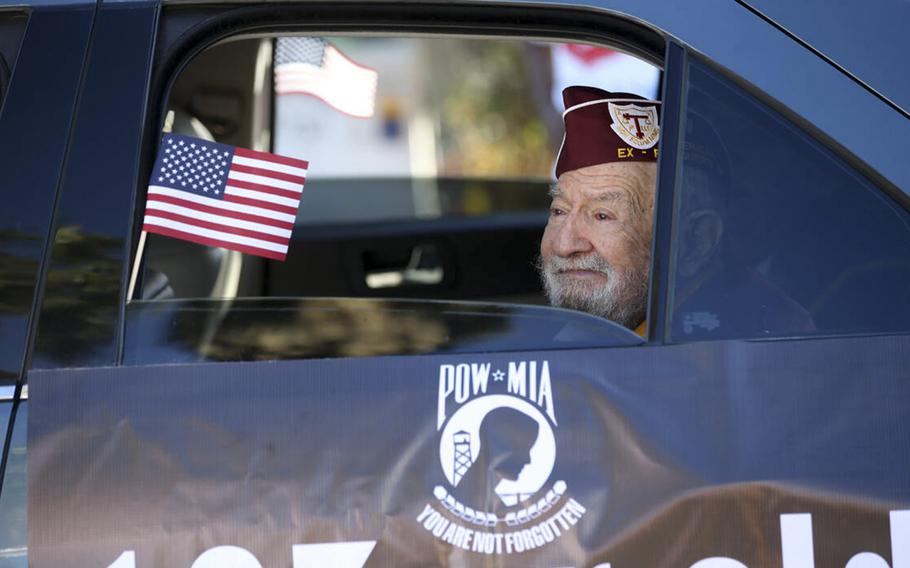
x: 624, y: 298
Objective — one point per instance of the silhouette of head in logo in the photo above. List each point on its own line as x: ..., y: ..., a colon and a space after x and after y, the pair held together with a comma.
x: 506, y: 438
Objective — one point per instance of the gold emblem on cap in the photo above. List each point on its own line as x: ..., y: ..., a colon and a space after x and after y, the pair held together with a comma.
x: 636, y: 125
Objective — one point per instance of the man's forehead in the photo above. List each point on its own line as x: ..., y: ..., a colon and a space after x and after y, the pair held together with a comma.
x: 604, y: 182
x: 590, y: 193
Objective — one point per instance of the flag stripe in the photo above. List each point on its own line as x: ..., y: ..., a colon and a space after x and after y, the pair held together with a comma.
x: 271, y: 174
x: 154, y: 216
x: 337, y: 60
x: 281, y: 215
x: 365, y: 80
x: 265, y: 189
x: 299, y: 68
x: 305, y: 71
x: 265, y: 164
x: 265, y: 180
x: 335, y: 92
x: 260, y: 204
x: 155, y: 202
x: 349, y: 104
x: 256, y: 155
x: 157, y: 207
x: 230, y: 190
x: 213, y: 242
x: 216, y: 235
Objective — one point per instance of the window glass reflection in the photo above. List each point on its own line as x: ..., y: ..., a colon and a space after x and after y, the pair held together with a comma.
x: 776, y: 236
x: 17, y: 250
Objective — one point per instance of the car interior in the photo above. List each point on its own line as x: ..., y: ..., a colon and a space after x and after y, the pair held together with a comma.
x: 455, y: 219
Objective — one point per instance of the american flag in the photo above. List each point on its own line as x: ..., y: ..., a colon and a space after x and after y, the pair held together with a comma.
x: 313, y: 66
x: 219, y: 195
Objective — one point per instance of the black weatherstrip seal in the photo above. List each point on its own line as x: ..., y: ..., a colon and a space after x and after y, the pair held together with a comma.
x: 130, y: 243
x: 671, y: 128
x: 186, y: 30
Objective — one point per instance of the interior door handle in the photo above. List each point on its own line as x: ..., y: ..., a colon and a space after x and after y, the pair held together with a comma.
x: 424, y: 268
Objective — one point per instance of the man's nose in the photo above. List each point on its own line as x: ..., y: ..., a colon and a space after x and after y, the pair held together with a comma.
x: 572, y: 238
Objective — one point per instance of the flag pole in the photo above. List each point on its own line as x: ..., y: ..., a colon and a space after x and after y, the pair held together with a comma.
x: 137, y: 260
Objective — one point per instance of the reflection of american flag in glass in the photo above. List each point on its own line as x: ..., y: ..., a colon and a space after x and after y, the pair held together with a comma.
x: 313, y: 66
x: 219, y: 195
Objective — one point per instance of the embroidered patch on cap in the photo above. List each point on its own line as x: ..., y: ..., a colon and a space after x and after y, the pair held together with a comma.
x: 636, y: 125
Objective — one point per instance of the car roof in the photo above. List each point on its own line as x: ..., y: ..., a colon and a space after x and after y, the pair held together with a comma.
x: 868, y: 40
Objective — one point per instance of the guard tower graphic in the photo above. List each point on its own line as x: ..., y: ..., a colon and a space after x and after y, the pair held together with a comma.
x: 461, y: 440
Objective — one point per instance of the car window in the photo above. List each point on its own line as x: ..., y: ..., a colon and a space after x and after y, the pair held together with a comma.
x: 775, y: 234
x: 442, y: 129
x: 429, y: 163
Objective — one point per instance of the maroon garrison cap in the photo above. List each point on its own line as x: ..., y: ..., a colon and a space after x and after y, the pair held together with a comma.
x: 604, y: 127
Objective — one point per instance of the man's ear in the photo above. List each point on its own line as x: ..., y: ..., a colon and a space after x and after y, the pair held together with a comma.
x: 701, y: 239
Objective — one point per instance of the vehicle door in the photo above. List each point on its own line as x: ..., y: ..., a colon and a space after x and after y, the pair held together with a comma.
x: 758, y: 423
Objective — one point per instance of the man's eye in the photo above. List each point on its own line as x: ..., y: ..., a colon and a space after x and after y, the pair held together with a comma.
x: 556, y: 211
x: 601, y: 216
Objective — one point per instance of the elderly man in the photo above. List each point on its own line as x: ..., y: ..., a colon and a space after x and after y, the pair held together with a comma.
x: 595, y: 251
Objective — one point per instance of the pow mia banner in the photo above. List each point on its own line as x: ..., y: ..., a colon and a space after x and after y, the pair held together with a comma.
x: 713, y: 455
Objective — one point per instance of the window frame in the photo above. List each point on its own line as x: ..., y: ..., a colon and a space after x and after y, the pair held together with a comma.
x: 186, y: 31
